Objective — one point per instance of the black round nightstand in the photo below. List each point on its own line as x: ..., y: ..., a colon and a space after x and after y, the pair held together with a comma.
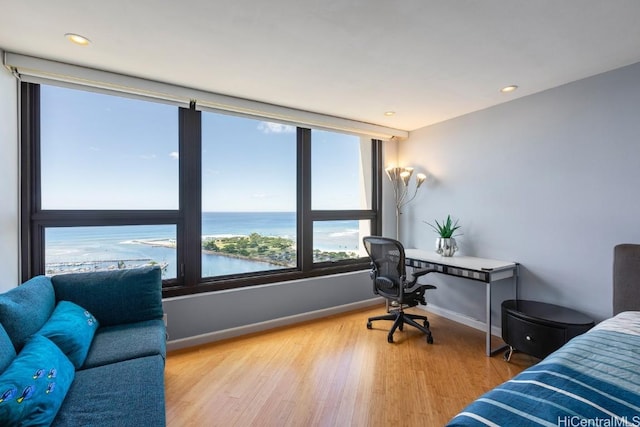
x: 538, y: 328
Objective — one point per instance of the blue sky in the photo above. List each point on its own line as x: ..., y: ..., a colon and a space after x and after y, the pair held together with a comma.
x: 109, y: 152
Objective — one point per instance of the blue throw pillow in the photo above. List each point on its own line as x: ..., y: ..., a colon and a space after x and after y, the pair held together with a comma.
x: 71, y: 328
x: 23, y: 310
x: 35, y: 384
x: 7, y: 352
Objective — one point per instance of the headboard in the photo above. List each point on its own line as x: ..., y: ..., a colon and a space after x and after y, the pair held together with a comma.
x: 626, y: 277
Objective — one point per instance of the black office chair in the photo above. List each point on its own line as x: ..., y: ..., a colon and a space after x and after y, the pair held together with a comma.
x: 389, y: 281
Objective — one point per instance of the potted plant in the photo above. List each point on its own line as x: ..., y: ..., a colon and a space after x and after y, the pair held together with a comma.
x: 446, y: 243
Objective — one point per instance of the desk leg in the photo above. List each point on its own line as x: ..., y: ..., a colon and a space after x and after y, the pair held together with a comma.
x: 488, y: 321
x: 489, y: 351
x: 516, y: 279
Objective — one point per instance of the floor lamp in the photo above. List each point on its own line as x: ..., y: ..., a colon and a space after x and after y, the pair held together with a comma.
x: 400, y: 178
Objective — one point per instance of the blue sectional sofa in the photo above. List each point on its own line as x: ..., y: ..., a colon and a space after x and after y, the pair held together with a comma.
x: 84, y: 349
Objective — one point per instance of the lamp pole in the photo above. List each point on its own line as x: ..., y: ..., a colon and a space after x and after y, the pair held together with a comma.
x: 400, y: 178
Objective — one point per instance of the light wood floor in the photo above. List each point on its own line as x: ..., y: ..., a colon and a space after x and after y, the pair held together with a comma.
x: 334, y: 372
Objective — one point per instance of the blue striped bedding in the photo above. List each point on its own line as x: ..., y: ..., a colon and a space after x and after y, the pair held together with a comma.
x: 593, y: 380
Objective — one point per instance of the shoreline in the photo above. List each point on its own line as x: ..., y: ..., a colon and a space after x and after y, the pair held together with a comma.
x: 255, y: 248
x: 170, y: 243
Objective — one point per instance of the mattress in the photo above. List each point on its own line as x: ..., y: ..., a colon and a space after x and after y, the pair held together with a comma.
x: 593, y: 380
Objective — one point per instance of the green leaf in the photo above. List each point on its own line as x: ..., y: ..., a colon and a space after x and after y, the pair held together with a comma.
x: 446, y: 229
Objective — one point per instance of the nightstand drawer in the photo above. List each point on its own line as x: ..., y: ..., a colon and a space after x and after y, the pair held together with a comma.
x: 531, y: 338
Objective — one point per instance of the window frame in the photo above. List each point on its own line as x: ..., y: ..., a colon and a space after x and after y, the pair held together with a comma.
x: 188, y: 217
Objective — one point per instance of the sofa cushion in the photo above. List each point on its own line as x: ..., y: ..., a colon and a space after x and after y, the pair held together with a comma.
x: 71, y: 328
x: 114, y: 297
x: 129, y: 393
x: 7, y: 351
x: 123, y: 342
x: 35, y: 384
x: 23, y: 310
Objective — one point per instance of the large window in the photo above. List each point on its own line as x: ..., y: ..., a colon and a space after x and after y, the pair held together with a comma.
x: 216, y: 200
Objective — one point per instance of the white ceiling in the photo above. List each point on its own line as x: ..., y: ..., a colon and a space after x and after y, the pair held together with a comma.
x: 427, y: 60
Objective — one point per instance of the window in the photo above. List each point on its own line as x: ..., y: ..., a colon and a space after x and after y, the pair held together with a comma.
x: 216, y: 200
x: 106, y: 152
x: 339, y: 240
x: 341, y: 170
x: 342, y: 195
x: 103, y: 182
x: 84, y: 249
x: 248, y: 195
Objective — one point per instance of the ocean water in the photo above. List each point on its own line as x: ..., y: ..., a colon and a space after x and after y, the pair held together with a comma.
x: 97, y: 248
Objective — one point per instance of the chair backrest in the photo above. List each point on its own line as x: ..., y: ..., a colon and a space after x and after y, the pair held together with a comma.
x: 387, y: 259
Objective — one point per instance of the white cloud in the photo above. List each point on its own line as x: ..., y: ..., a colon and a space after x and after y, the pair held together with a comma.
x: 174, y: 155
x: 268, y: 127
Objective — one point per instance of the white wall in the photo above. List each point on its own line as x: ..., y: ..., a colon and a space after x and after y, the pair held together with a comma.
x: 9, y: 235
x: 549, y: 180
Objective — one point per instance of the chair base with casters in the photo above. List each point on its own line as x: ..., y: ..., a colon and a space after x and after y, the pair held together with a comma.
x: 400, y: 318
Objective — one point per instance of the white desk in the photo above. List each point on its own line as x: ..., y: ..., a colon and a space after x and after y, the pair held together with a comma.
x: 479, y: 269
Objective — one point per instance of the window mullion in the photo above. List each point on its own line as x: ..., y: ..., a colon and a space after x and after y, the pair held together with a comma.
x: 376, y: 188
x: 189, y: 227
x: 32, y: 249
x: 337, y: 215
x: 304, y: 216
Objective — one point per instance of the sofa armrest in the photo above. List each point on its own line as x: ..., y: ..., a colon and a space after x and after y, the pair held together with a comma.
x: 114, y: 297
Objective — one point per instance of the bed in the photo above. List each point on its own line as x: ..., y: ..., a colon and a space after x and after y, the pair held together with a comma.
x: 593, y: 380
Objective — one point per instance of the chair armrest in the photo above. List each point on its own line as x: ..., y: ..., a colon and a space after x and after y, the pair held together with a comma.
x: 417, y: 274
x: 421, y: 273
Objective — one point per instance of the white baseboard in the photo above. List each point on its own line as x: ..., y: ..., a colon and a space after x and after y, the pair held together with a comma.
x: 269, y: 324
x: 461, y: 318
x: 302, y: 317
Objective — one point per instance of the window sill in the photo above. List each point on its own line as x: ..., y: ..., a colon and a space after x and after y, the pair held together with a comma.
x: 212, y: 285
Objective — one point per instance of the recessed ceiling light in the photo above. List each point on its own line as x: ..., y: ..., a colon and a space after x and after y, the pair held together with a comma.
x: 77, y: 39
x: 389, y: 113
x: 508, y: 89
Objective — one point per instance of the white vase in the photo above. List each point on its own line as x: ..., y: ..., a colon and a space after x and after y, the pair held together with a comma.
x: 446, y: 246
